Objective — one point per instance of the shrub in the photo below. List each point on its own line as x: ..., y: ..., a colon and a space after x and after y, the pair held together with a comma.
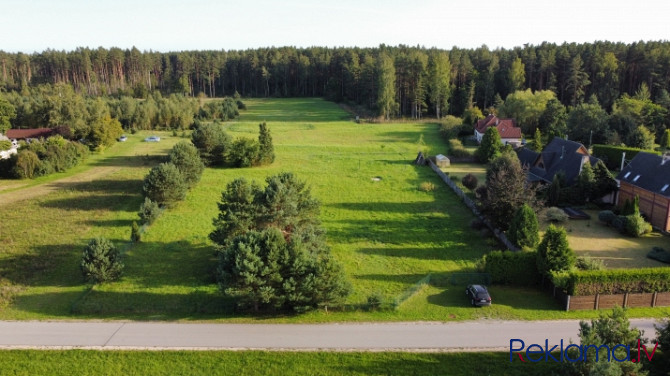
x: 449, y: 127
x: 427, y: 186
x: 374, y: 301
x: 469, y: 181
x: 101, y: 261
x: 523, y: 231
x: 554, y: 214
x: 616, y: 281
x: 554, y: 253
x: 606, y: 216
x: 512, y: 268
x: 27, y: 164
x: 611, y: 155
x: 457, y: 150
x: 187, y: 160
x: 5, y: 145
x: 244, y: 152
x: 619, y: 223
x: 135, y: 235
x: 212, y: 143
x: 149, y: 211
x: 165, y: 184
x: 588, y: 263
x: 636, y: 226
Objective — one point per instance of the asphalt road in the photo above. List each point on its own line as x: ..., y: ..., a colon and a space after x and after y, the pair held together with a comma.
x: 453, y: 336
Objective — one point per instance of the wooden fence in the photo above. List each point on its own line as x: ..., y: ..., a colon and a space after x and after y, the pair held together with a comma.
x: 600, y: 301
x: 471, y: 205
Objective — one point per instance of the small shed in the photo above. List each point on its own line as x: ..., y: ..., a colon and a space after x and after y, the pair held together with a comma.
x: 442, y: 161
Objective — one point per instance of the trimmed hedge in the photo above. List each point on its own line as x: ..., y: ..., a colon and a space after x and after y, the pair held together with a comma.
x: 611, y: 154
x: 618, y: 281
x: 512, y: 268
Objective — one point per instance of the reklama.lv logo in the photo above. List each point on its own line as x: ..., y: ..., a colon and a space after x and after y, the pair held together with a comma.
x: 537, y: 353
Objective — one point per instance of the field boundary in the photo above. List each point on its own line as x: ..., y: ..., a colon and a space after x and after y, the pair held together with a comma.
x: 472, y: 206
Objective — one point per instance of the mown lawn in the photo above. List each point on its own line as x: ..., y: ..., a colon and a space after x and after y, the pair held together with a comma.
x: 385, y: 231
x: 86, y: 362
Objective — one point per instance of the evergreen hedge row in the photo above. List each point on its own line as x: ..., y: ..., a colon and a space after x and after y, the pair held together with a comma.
x: 512, y: 268
x: 618, y: 281
x: 611, y: 154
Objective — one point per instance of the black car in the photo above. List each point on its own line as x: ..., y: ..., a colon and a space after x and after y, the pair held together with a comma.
x: 479, y: 295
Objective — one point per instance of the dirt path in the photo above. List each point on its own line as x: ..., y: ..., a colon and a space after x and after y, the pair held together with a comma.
x: 94, y: 173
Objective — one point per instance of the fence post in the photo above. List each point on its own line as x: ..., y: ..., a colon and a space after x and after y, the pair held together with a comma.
x: 597, y: 303
x: 653, y: 299
x: 567, y: 303
x: 625, y: 300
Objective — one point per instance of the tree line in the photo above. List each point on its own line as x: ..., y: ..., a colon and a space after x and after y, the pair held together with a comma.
x: 393, y: 81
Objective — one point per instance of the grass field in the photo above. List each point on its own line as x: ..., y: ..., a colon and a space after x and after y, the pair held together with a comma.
x: 99, y: 363
x: 387, y: 233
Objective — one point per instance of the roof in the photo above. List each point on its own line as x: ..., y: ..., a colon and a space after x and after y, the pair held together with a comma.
x: 506, y: 127
x: 559, y: 155
x: 21, y: 134
x: 648, y: 171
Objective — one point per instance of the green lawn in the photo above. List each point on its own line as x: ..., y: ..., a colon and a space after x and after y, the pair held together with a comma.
x: 86, y: 362
x: 388, y: 234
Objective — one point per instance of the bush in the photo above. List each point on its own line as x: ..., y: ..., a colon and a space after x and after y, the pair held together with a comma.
x: 101, y: 261
x: 165, y: 184
x: 27, y: 164
x: 374, y: 301
x: 636, y: 226
x: 427, y: 186
x: 212, y: 143
x: 187, y: 160
x: 617, y: 281
x: 244, y: 152
x: 554, y: 253
x: 149, y: 211
x: 606, y: 216
x: 135, y: 235
x: 457, y: 150
x: 450, y: 126
x: 512, y: 268
x: 611, y: 155
x: 469, y: 181
x: 619, y: 223
x: 588, y: 263
x: 5, y: 145
x: 523, y: 231
x: 554, y: 214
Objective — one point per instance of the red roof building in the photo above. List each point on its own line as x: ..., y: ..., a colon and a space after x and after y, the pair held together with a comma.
x: 509, y: 132
x: 22, y: 134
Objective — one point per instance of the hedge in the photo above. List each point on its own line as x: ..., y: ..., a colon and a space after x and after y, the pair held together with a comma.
x: 512, y: 268
x: 611, y: 154
x: 618, y: 281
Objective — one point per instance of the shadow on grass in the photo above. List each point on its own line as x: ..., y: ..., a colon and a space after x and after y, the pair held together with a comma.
x: 147, y: 160
x: 113, y: 223
x: 93, y: 202
x: 417, y: 253
x: 502, y: 296
x: 129, y: 186
x: 402, y: 278
x: 44, y: 265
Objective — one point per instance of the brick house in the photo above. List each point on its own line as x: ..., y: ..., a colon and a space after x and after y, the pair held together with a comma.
x: 509, y: 132
x: 648, y: 177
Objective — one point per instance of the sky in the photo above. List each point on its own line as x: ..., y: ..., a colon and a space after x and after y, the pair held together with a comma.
x: 170, y: 25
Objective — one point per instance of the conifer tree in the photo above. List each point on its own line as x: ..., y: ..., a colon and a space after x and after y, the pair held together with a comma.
x: 523, y: 230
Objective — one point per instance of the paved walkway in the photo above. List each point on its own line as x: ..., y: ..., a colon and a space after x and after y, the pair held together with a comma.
x: 454, y: 336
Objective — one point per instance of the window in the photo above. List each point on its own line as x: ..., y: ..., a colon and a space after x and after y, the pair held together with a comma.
x: 637, y: 177
x: 627, y: 174
x: 665, y: 187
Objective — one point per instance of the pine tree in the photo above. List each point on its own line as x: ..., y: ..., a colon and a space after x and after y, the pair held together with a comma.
x: 523, y: 230
x: 586, y: 183
x: 537, y: 140
x: 554, y: 253
x: 101, y: 261
x: 267, y: 150
x: 491, y: 146
x: 165, y: 184
x: 665, y: 139
x: 186, y: 158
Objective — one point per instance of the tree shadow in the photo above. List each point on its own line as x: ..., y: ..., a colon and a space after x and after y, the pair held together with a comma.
x: 430, y: 253
x: 102, y: 185
x: 398, y: 278
x: 90, y: 202
x: 146, y: 160
x: 113, y: 222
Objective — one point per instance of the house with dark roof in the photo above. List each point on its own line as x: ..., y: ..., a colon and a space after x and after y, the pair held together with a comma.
x: 559, y: 156
x: 24, y: 134
x: 509, y: 132
x: 648, y: 177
